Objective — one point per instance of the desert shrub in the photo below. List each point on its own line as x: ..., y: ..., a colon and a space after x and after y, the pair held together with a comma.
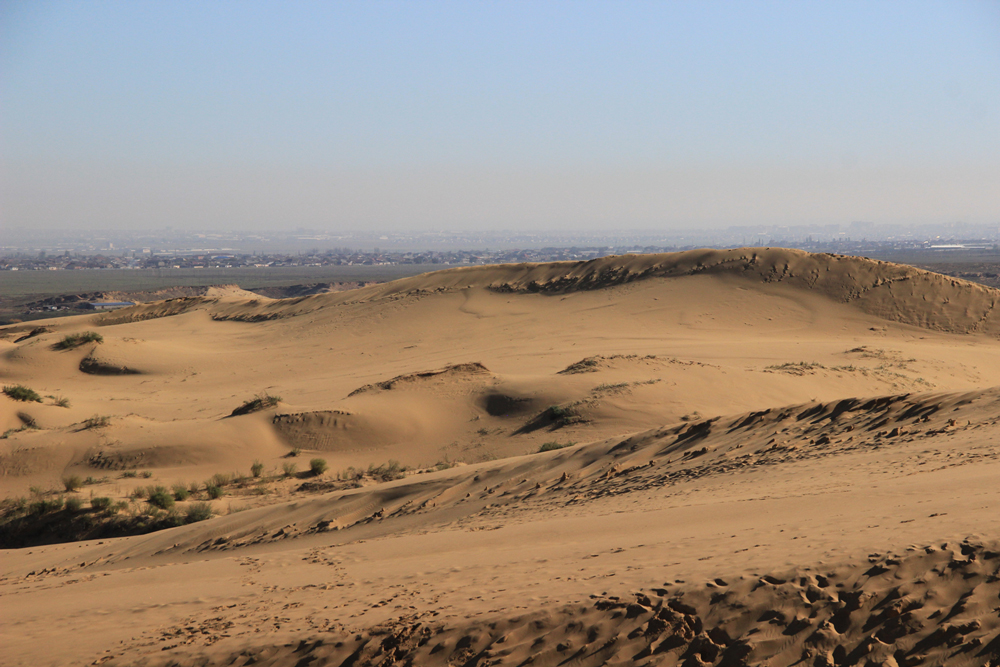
x: 289, y: 469
x: 97, y: 421
x: 19, y: 392
x: 172, y: 520
x: 295, y: 452
x: 94, y: 480
x: 145, y: 474
x: 257, y: 468
x: 214, y: 491
x: 180, y: 492
x: 317, y: 466
x: 13, y: 506
x: 72, y: 482
x: 129, y: 474
x: 74, y: 504
x: 387, y: 471
x: 72, y: 341
x: 138, y: 492
x: 46, y: 505
x: 549, y: 446
x: 255, y: 404
x: 198, y: 512
x: 351, y: 474
x: 119, y: 506
x: 160, y: 497
x: 194, y: 488
x: 220, y: 479
x: 100, y: 503
x: 60, y: 401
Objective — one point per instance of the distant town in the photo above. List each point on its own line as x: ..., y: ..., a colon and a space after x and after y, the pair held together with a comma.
x: 175, y: 249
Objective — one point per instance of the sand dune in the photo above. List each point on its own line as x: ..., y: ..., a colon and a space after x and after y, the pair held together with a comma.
x: 756, y: 456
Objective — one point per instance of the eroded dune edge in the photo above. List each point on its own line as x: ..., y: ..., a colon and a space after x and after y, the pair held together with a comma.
x: 747, y: 457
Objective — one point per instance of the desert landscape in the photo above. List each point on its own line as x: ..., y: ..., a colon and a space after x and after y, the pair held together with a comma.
x: 757, y: 456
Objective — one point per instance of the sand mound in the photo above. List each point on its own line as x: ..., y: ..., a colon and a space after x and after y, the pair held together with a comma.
x: 456, y: 371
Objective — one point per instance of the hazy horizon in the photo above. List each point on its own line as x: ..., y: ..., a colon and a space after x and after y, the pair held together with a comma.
x: 545, y: 116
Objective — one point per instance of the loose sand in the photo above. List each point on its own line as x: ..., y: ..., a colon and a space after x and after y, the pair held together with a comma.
x: 757, y: 456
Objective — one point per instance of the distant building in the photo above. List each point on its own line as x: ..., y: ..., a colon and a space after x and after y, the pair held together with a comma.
x: 109, y: 305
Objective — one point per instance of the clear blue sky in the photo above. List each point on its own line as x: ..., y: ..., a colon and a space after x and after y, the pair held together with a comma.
x: 521, y: 115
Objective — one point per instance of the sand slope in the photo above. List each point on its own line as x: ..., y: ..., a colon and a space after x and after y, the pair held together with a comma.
x: 727, y: 430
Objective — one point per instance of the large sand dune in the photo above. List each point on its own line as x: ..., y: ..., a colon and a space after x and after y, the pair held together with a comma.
x: 756, y: 456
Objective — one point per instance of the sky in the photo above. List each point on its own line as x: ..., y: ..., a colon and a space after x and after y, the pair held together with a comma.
x: 544, y: 115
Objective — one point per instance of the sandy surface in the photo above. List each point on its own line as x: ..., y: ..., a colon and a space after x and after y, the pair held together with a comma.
x: 767, y: 457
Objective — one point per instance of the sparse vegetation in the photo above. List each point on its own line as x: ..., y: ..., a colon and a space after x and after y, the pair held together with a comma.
x: 180, y: 492
x: 76, y: 340
x: 610, y: 387
x: 387, y: 472
x: 74, y: 504
x: 198, y: 512
x: 72, y: 482
x: 317, y: 466
x: 255, y: 404
x: 60, y: 401
x: 214, y: 492
x: 158, y: 496
x: 220, y: 479
x: 257, y: 468
x: 795, y: 367
x: 129, y: 474
x: 97, y: 421
x: 100, y: 503
x: 145, y: 474
x: 19, y: 392
x: 553, y: 445
x: 289, y: 469
x: 295, y: 452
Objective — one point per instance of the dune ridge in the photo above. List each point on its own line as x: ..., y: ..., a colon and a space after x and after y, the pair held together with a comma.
x: 893, y: 292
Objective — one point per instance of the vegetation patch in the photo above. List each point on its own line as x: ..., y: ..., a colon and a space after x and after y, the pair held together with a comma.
x: 553, y: 445
x: 73, y: 341
x: 19, y: 392
x: 256, y: 404
x: 97, y: 421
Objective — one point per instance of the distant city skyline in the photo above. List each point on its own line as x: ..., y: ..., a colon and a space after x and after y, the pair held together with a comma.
x: 554, y: 117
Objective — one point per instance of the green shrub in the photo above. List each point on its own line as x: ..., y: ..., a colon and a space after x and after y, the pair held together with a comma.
x: 550, y: 446
x: 145, y: 474
x: 139, y: 492
x: 72, y: 341
x: 19, y: 392
x: 100, y: 503
x: 214, y: 491
x: 74, y: 504
x: 317, y: 466
x: 295, y: 452
x: 289, y: 469
x: 180, y: 492
x: 198, y: 512
x: 160, y: 497
x: 257, y: 468
x: 220, y: 479
x: 44, y: 506
x: 255, y: 404
x: 60, y: 401
x: 72, y: 482
x: 194, y: 488
x: 129, y: 474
